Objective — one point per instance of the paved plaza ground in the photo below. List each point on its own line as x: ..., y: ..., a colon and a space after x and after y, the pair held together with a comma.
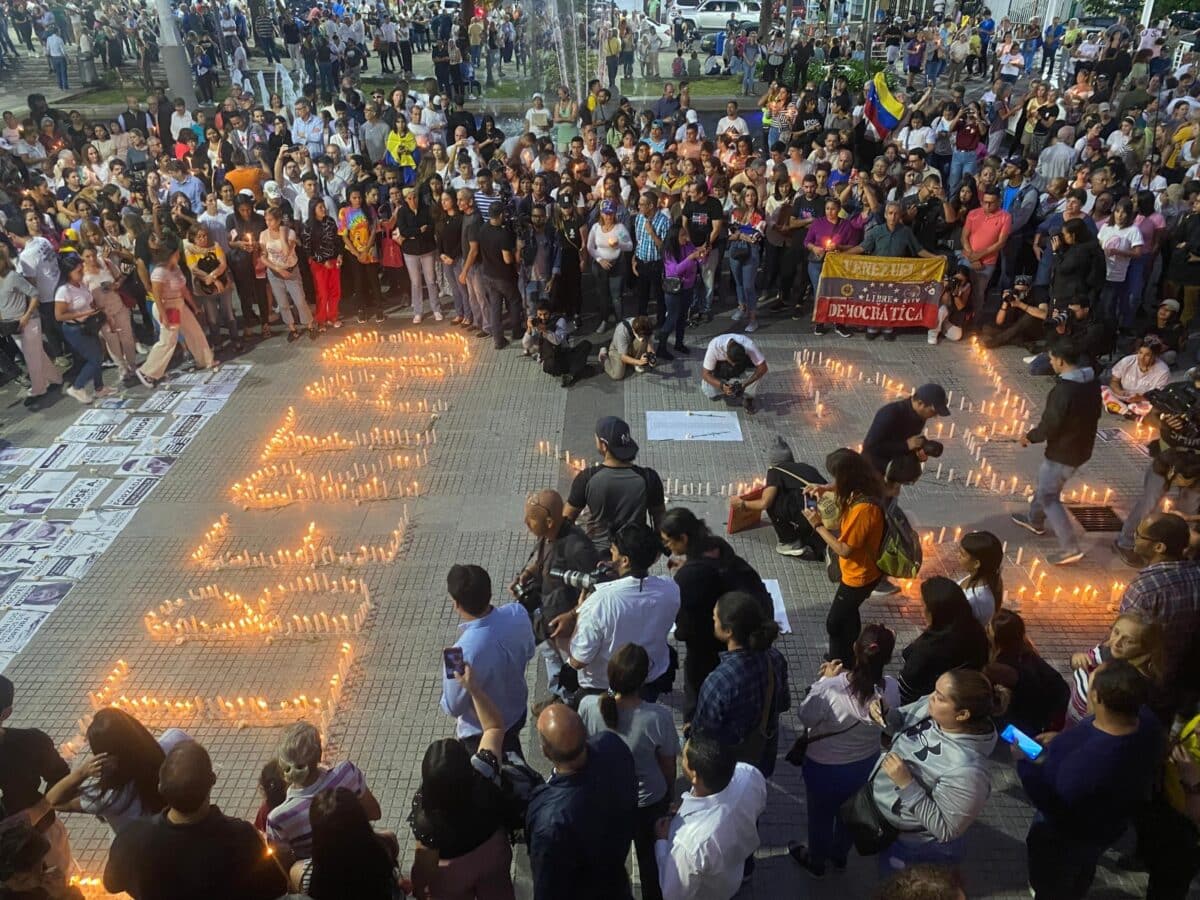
x: 498, y: 407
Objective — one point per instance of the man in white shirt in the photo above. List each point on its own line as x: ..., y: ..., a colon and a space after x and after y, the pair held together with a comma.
x: 726, y: 361
x: 56, y: 50
x: 702, y: 849
x: 637, y: 608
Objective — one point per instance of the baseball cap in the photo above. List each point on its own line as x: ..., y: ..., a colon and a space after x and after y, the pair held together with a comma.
x: 615, y: 434
x: 271, y: 190
x: 1172, y: 305
x: 1104, y: 107
x: 933, y: 395
x: 610, y: 208
x: 1015, y: 160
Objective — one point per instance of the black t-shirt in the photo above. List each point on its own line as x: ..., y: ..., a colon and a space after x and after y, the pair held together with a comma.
x: 457, y: 835
x: 787, y: 477
x: 890, y: 430
x: 614, y: 497
x: 493, y: 241
x: 803, y: 208
x: 700, y: 217
x: 27, y: 758
x: 155, y: 859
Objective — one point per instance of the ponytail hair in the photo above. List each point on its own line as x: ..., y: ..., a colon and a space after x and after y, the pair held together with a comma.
x: 974, y: 692
x: 743, y: 615
x: 627, y: 671
x: 872, y: 652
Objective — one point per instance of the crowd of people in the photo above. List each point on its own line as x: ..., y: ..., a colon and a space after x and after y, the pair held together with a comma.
x: 1070, y: 223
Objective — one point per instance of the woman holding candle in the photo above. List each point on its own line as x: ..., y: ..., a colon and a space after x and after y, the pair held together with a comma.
x: 859, y: 495
x: 745, y: 248
x: 606, y: 242
x: 826, y: 235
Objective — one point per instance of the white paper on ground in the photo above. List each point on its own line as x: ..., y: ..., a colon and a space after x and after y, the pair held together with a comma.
x: 41, y: 596
x: 103, y: 521
x: 23, y: 555
x: 193, y: 405
x: 781, y: 616
x: 132, y: 491
x: 82, y: 493
x: 163, y: 446
x: 20, y: 455
x: 32, y: 504
x: 5, y: 659
x: 18, y: 626
x: 146, y: 465
x: 37, y: 480
x: 73, y: 567
x: 138, y: 428
x: 222, y: 389
x: 33, y: 531
x: 102, y: 417
x: 83, y: 543
x: 160, y: 401
x: 7, y: 579
x: 686, y: 425
x: 87, y: 434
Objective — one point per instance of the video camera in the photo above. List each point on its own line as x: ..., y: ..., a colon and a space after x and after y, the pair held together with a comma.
x: 585, y: 581
x: 1180, y: 400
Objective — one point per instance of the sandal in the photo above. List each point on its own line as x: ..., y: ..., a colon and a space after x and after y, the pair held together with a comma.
x: 266, y: 331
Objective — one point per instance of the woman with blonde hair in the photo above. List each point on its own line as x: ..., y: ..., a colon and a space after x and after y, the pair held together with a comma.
x: 1134, y: 637
x: 288, y: 827
x: 101, y: 277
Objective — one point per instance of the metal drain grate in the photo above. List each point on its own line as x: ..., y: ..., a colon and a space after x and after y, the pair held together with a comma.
x: 1096, y: 518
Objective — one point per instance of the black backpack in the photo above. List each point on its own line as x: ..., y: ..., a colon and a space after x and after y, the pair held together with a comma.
x: 518, y: 780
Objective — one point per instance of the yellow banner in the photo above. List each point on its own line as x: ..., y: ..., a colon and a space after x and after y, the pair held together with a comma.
x: 879, y: 291
x: 882, y: 268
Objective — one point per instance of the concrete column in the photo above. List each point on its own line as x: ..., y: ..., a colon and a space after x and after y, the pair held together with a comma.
x: 174, y: 56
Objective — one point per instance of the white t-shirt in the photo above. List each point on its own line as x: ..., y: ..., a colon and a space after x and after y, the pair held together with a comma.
x: 1010, y: 63
x: 735, y: 123
x: 538, y: 120
x: 629, y: 610
x: 911, y: 138
x: 982, y: 600
x: 718, y: 347
x: 1133, y: 379
x: 1113, y: 238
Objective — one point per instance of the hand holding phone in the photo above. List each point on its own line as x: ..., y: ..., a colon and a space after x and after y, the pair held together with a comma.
x: 452, y: 659
x: 1023, y: 742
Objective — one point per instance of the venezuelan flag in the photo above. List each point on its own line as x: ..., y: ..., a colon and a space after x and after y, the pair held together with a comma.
x: 881, y: 108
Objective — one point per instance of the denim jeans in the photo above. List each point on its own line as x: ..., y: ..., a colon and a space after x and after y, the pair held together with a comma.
x: 980, y: 279
x: 1061, y: 866
x: 1046, y: 506
x: 962, y: 162
x: 59, y: 65
x: 744, y: 272
x: 462, y: 306
x: 678, y: 306
x: 814, y: 276
x: 90, y: 351
x: 904, y: 853
x: 826, y: 788
x: 1154, y: 488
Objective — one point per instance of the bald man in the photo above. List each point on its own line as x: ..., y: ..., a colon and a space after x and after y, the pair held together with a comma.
x: 497, y: 643
x: 580, y: 823
x: 191, y: 850
x: 561, y: 546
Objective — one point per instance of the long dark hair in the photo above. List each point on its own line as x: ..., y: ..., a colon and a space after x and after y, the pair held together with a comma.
x: 1007, y: 633
x: 674, y: 248
x: 986, y: 549
x: 743, y: 615
x: 681, y: 521
x: 136, y: 754
x: 349, y: 862
x: 872, y: 652
x: 945, y: 603
x: 853, y: 476
x: 627, y: 671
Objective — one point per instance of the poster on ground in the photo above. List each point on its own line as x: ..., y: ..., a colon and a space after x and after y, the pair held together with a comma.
x: 18, y: 626
x: 879, y: 291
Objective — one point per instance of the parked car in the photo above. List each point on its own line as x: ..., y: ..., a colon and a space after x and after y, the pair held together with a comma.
x: 714, y: 15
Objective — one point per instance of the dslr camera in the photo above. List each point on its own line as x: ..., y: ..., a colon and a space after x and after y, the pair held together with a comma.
x: 736, y: 389
x: 584, y: 581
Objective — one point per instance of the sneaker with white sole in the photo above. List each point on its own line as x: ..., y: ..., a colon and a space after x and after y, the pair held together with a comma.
x: 796, y: 548
x: 1024, y: 521
x: 933, y: 337
x: 738, y: 314
x: 752, y: 327
x: 1028, y: 359
x: 886, y: 588
x: 1065, y: 558
x: 843, y: 331
x: 77, y: 394
x: 417, y: 319
x: 144, y: 378
x: 437, y: 316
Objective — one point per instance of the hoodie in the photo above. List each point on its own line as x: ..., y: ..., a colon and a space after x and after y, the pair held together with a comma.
x: 1068, y: 424
x: 950, y: 783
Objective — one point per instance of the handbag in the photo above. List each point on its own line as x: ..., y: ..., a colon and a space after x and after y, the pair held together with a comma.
x: 742, y: 519
x: 672, y: 284
x: 750, y: 749
x: 774, y: 59
x: 92, y: 324
x: 739, y: 251
x: 869, y: 830
x: 10, y: 328
x: 800, y: 748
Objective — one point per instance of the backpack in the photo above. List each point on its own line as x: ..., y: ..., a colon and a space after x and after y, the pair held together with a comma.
x: 738, y: 575
x: 900, y: 553
x: 518, y: 780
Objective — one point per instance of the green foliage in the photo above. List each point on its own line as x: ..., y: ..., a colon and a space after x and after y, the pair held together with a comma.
x: 855, y: 73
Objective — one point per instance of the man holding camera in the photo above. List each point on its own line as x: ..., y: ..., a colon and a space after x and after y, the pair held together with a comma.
x: 723, y: 375
x: 636, y: 608
x: 1019, y: 320
x: 549, y: 336
x: 1068, y: 426
x: 896, y: 429
x: 561, y: 547
x: 539, y: 257
x: 632, y: 345
x: 1175, y: 465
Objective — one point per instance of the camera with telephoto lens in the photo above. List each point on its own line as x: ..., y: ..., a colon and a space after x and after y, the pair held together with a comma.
x: 1059, y: 318
x: 584, y: 581
x: 1181, y: 401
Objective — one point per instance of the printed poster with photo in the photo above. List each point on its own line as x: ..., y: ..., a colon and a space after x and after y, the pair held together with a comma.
x: 37, y: 595
x: 18, y: 626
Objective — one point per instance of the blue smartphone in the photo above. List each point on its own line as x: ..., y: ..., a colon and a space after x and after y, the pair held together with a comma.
x: 810, y: 502
x: 1028, y: 745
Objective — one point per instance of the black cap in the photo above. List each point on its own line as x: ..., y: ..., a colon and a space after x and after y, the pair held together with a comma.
x: 615, y: 434
x: 933, y: 395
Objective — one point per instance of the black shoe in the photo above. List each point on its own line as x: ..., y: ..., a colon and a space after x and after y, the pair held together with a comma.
x: 362, y: 318
x: 799, y: 853
x: 568, y: 380
x: 817, y: 329
x: 681, y: 349
x: 577, y: 321
x: 843, y: 331
x: 379, y: 316
x: 871, y: 335
x: 749, y: 405
x: 293, y: 336
x: 889, y: 335
x: 664, y: 354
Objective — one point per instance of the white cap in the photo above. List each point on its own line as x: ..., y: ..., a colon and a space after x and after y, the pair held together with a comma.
x: 271, y: 190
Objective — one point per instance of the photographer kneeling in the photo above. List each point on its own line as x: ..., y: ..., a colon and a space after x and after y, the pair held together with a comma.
x: 1019, y: 320
x: 727, y: 359
x: 549, y: 337
x: 632, y: 345
x: 1071, y: 317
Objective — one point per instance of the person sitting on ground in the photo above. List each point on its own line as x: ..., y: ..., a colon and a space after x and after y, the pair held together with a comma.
x: 726, y: 361
x: 191, y: 850
x: 458, y: 814
x: 702, y: 849
x: 1133, y: 377
x: 923, y: 882
x: 783, y: 501
x: 955, y: 310
x: 632, y: 345
x: 549, y: 338
x: 350, y: 860
x: 26, y: 872
x: 952, y: 639
x: 1020, y: 318
x: 982, y: 555
x: 1039, y: 694
x: 1168, y: 329
x: 1135, y: 638
x: 288, y: 827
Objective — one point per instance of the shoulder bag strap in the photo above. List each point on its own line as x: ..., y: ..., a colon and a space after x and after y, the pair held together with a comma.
x: 803, y: 481
x: 770, y: 697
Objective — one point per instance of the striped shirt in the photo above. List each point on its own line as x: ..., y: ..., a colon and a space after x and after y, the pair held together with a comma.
x: 288, y: 823
x: 644, y: 244
x: 485, y: 202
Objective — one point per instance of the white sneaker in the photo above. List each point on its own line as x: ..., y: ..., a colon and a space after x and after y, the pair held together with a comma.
x: 752, y: 327
x: 82, y: 396
x: 933, y: 337
x: 437, y: 315
x: 603, y: 355
x: 738, y: 314
x: 417, y: 319
x: 1028, y: 359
